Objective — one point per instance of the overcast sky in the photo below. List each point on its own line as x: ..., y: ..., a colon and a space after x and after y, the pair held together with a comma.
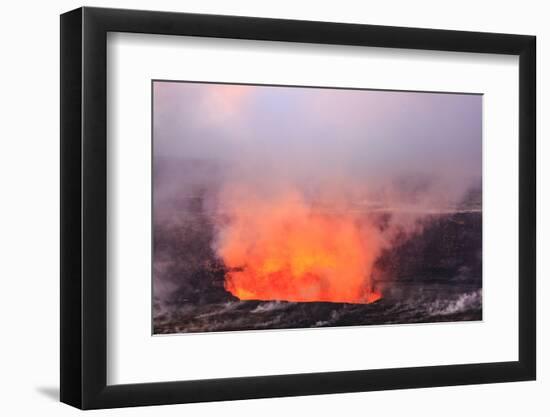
x: 303, y: 134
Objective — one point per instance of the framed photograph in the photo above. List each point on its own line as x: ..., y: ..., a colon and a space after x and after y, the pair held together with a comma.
x: 256, y: 208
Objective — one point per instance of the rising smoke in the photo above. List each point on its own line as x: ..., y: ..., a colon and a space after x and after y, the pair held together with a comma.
x: 293, y: 193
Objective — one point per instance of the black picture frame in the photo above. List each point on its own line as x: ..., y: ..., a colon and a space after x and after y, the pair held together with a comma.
x: 84, y: 207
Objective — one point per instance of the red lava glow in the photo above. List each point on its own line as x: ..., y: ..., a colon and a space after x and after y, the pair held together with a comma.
x: 282, y: 249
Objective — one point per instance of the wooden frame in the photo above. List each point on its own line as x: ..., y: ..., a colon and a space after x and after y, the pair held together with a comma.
x: 83, y: 207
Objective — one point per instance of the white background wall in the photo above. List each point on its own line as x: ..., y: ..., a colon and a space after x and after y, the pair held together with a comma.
x: 29, y: 237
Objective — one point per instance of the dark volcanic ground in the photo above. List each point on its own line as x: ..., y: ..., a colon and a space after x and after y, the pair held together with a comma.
x: 432, y: 276
x: 433, y: 303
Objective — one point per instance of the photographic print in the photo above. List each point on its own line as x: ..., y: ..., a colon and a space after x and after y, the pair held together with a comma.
x: 286, y: 207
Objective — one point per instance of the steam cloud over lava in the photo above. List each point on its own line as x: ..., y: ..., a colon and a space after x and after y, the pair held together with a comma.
x: 313, y: 195
x: 282, y: 248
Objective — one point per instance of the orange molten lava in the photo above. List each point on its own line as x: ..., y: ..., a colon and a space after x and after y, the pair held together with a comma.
x: 282, y: 249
